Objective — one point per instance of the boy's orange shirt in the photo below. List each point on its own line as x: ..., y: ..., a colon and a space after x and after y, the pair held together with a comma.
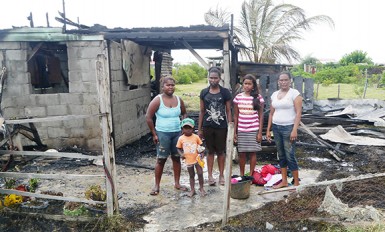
x: 189, y: 145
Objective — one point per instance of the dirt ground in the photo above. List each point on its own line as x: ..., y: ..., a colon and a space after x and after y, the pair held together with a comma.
x: 172, y: 210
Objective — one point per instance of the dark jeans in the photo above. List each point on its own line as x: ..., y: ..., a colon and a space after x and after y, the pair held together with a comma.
x: 285, y: 149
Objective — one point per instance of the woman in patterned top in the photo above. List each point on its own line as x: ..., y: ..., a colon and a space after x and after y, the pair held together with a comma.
x: 248, y: 122
x: 214, y: 115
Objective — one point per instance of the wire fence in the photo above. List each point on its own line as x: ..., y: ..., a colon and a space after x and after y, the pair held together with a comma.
x: 333, y: 205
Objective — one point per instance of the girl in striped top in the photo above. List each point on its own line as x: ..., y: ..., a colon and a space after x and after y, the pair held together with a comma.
x: 248, y: 122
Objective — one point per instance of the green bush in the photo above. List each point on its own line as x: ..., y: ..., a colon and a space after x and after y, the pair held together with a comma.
x: 186, y: 74
x: 342, y: 74
x: 183, y: 76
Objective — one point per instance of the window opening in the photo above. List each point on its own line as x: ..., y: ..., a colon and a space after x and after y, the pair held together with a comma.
x: 48, y: 67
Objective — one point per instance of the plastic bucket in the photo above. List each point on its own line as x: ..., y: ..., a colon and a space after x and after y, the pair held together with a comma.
x: 240, y: 190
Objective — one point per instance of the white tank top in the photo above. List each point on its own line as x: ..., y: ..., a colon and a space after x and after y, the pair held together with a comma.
x: 284, y: 113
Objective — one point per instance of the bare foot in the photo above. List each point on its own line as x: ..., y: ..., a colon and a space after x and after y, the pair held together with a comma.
x: 280, y: 185
x: 191, y: 193
x: 203, y: 192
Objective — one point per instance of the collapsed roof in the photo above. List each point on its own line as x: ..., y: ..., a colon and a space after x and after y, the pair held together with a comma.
x: 170, y: 38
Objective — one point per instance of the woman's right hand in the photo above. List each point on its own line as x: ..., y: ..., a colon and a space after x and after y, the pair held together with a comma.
x: 200, y: 134
x: 235, y: 138
x: 268, y: 136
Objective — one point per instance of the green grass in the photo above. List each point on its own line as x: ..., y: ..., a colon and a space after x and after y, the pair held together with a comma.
x: 347, y: 91
x: 190, y: 93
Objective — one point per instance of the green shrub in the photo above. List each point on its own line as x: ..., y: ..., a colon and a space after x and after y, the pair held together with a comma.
x: 186, y: 74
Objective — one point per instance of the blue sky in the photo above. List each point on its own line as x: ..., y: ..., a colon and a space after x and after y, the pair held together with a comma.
x: 358, y: 23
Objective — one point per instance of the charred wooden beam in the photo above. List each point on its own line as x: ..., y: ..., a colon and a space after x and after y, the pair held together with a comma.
x: 319, y: 140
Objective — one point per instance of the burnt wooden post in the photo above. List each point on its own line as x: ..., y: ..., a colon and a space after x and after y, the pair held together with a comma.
x: 226, y: 64
x: 308, y: 95
x: 233, y: 69
x: 158, y: 58
x: 298, y: 84
x: 103, y: 87
x: 229, y: 150
x: 263, y: 86
x: 273, y: 84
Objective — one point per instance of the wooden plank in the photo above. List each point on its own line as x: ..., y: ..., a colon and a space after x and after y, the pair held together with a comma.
x: 103, y: 87
x: 45, y: 196
x: 306, y: 129
x: 327, y: 182
x: 52, y: 216
x: 51, y: 154
x: 229, y: 150
x: 199, y: 58
x: 226, y: 64
x: 48, y: 176
x: 49, y: 119
x: 34, y: 50
x: 290, y: 188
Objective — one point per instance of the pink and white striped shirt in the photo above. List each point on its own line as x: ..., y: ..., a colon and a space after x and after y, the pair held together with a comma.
x: 248, y: 118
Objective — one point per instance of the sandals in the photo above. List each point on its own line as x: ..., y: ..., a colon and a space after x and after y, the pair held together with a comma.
x: 181, y: 188
x: 211, y: 182
x: 154, y: 192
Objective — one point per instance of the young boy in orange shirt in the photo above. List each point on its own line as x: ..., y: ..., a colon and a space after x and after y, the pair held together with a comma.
x: 188, y: 145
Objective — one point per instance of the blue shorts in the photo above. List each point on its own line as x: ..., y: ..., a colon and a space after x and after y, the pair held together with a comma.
x: 167, y: 144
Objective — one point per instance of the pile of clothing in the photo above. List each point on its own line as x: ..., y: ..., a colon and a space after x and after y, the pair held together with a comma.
x: 267, y: 176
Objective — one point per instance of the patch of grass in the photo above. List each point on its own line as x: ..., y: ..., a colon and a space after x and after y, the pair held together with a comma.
x: 190, y: 94
x: 347, y: 91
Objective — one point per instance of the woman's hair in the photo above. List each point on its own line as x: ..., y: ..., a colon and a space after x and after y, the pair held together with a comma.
x: 286, y: 73
x: 166, y: 78
x: 215, y: 69
x: 254, y: 92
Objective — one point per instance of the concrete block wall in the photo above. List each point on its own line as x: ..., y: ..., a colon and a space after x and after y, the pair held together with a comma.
x: 128, y: 106
x: 19, y: 102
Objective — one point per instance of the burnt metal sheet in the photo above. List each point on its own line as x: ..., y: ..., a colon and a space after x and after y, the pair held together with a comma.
x: 339, y: 135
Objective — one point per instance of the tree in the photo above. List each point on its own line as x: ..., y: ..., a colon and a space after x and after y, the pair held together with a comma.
x: 356, y: 57
x: 188, y: 73
x: 268, y: 30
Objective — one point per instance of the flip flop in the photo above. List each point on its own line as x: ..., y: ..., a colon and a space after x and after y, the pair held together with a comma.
x: 154, y: 192
x: 211, y: 182
x: 182, y: 188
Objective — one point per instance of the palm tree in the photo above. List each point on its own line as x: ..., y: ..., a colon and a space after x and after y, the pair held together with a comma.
x: 268, y: 30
